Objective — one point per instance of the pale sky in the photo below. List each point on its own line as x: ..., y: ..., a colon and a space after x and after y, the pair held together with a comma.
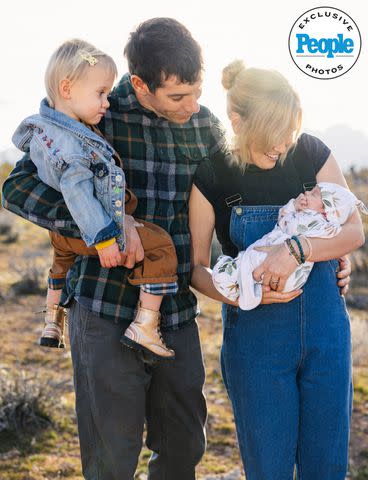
x: 257, y: 32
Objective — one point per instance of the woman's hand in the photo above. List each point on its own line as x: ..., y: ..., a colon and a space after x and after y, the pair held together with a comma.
x: 276, y: 268
x: 273, y: 293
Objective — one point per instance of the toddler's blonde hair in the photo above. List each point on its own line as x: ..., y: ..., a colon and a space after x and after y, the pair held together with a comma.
x: 268, y: 107
x: 70, y: 61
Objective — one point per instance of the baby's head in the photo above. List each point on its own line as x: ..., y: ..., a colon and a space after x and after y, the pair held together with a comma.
x: 314, y: 199
x: 339, y: 202
x: 335, y: 202
x: 78, y: 79
x: 311, y: 200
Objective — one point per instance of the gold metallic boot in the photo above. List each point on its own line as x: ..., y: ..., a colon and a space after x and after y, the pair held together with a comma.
x: 53, y: 331
x: 144, y: 334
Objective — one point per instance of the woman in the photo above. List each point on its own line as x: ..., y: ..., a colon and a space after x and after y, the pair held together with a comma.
x: 286, y: 366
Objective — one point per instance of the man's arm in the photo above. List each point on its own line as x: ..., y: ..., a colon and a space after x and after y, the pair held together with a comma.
x: 25, y: 195
x: 201, y: 224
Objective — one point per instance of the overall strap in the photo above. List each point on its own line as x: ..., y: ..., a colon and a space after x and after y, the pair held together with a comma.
x: 306, y: 173
x: 227, y: 198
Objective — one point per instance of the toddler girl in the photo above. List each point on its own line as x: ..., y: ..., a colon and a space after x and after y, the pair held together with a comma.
x: 72, y: 157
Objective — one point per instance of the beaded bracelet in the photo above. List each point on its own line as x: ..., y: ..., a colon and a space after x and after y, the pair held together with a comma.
x: 292, y: 251
x: 289, y: 252
x: 301, y: 251
x: 309, y: 247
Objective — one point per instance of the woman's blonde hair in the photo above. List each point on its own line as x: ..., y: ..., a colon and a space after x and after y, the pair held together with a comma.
x: 71, y: 60
x: 268, y: 107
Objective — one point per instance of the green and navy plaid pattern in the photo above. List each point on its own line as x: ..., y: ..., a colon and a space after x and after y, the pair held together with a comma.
x: 160, y: 288
x: 159, y: 159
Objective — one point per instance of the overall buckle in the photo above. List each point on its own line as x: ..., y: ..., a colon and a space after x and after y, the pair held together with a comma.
x: 233, y: 200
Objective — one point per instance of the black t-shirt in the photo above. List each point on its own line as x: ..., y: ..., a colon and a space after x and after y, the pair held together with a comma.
x: 225, y: 185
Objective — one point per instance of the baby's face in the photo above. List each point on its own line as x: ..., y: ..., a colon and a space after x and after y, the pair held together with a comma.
x: 311, y: 199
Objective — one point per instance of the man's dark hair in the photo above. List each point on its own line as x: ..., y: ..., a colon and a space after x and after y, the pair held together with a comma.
x: 161, y: 47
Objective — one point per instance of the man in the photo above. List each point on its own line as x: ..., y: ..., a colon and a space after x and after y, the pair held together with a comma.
x: 157, y: 126
x: 161, y: 133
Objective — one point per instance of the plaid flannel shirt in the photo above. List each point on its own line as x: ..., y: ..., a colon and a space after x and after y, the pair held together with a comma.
x: 159, y: 159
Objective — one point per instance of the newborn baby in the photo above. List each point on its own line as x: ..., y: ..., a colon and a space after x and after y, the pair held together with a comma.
x: 319, y: 212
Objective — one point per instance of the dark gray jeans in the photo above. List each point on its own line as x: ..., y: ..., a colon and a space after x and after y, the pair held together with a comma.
x: 116, y: 392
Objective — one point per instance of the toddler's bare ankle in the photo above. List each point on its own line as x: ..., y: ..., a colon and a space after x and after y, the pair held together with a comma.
x: 150, y: 301
x: 53, y: 297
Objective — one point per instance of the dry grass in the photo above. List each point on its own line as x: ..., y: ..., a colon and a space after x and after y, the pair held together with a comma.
x: 359, y: 332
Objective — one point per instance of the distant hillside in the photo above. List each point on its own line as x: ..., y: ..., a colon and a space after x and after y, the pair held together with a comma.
x: 350, y: 147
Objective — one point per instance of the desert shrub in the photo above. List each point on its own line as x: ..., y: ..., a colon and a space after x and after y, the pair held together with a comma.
x: 6, y: 222
x: 8, y: 233
x: 5, y: 169
x: 29, y: 285
x: 359, y: 333
x: 24, y: 402
x: 10, y: 237
x: 5, y: 227
x: 32, y: 272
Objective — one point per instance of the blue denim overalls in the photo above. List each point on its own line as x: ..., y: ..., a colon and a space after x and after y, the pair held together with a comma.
x: 287, y: 369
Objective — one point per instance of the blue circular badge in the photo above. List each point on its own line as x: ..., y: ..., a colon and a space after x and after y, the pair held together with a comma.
x: 325, y: 43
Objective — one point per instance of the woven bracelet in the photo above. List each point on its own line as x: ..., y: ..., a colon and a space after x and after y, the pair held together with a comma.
x: 307, y: 259
x: 301, y: 251
x: 289, y: 252
x: 293, y: 251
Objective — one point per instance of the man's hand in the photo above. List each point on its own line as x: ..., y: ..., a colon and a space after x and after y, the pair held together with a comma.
x: 270, y: 296
x: 109, y: 256
x: 133, y: 252
x: 344, y: 274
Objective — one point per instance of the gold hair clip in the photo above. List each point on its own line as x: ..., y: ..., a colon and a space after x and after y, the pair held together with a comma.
x: 88, y: 57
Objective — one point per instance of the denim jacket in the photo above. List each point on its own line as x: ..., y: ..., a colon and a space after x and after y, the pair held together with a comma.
x: 77, y: 162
